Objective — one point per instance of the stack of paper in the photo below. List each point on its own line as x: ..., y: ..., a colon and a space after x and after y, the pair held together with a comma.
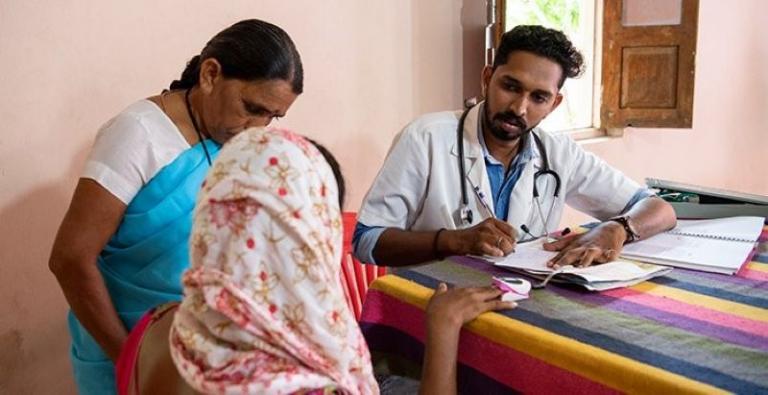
x: 531, y: 259
x: 713, y: 245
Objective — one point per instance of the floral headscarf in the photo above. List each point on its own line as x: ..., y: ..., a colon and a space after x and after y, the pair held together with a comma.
x: 263, y: 308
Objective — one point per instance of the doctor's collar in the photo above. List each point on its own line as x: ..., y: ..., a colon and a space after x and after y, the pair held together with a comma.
x: 527, y: 152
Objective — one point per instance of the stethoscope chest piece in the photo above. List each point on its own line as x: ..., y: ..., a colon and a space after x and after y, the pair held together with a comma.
x: 466, y: 215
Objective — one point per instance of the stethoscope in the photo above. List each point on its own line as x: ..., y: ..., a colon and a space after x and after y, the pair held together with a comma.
x: 466, y: 214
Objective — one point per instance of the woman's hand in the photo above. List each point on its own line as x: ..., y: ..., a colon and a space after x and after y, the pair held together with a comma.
x: 452, y: 309
x: 93, y: 216
x: 447, y: 311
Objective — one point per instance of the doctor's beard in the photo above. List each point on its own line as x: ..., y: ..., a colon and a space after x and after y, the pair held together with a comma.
x: 499, y: 119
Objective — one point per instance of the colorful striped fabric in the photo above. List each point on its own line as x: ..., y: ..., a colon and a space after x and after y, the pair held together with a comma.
x: 686, y: 332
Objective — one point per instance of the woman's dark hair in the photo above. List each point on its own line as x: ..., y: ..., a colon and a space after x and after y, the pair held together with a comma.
x: 249, y: 50
x: 549, y: 43
x: 334, y: 167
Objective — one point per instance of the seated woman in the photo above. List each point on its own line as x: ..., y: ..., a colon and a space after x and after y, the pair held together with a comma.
x: 263, y: 308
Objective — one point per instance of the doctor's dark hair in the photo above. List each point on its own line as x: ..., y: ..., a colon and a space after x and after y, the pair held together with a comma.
x: 335, y: 167
x: 549, y: 43
x: 249, y: 50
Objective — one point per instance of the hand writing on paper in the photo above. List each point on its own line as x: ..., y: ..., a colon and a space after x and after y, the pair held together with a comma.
x: 600, y: 245
x: 491, y: 237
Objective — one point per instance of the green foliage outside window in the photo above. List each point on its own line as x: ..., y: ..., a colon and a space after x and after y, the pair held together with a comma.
x: 559, y: 14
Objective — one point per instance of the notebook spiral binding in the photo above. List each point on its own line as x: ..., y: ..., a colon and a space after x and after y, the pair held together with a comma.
x: 716, y: 237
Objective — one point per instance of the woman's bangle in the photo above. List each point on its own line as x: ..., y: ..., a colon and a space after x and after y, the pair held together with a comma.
x: 435, y: 252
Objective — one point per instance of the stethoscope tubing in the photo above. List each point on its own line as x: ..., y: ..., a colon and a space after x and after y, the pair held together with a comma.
x: 465, y: 212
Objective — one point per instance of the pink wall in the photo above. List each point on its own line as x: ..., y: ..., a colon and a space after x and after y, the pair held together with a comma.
x: 66, y: 67
x: 728, y: 144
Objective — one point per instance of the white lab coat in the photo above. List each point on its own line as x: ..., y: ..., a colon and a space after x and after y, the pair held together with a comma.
x: 418, y: 186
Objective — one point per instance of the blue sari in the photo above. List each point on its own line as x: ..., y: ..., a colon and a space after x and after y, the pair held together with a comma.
x: 143, y: 262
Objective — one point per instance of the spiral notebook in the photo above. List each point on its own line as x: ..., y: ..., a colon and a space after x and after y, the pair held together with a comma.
x: 714, y: 245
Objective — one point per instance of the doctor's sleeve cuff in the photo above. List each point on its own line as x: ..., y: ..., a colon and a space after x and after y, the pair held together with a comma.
x: 641, y: 194
x: 364, y: 241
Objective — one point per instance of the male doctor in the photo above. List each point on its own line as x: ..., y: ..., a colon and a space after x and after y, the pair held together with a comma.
x: 415, y: 210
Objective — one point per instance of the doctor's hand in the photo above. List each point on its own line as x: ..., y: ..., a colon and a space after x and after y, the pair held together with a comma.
x: 491, y: 237
x: 600, y: 245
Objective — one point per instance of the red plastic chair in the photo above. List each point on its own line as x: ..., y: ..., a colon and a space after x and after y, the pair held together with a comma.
x: 355, y: 276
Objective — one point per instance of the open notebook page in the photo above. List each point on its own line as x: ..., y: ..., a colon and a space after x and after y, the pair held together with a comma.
x: 692, y: 252
x: 531, y: 257
x: 528, y: 256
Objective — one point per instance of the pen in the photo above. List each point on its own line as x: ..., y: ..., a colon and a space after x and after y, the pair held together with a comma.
x: 563, y: 233
x: 485, y: 205
x: 483, y: 202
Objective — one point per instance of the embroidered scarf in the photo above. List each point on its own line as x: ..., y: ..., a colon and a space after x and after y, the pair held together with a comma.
x: 263, y: 308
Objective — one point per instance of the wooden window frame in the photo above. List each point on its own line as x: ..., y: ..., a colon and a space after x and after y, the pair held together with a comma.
x: 610, y: 117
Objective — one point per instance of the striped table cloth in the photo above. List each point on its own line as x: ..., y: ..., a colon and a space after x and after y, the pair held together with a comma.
x: 686, y: 332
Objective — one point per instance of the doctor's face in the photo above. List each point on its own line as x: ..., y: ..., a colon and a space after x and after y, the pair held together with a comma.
x: 520, y: 93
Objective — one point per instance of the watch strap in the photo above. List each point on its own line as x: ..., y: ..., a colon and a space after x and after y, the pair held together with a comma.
x: 624, y: 221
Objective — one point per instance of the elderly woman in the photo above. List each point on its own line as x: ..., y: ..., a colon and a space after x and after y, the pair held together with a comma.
x: 122, y: 246
x: 263, y: 308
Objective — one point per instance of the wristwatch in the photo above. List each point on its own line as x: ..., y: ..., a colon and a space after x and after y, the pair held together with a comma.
x: 624, y: 221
